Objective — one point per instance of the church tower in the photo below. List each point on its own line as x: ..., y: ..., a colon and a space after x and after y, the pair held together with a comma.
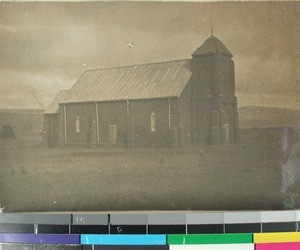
x: 214, y: 104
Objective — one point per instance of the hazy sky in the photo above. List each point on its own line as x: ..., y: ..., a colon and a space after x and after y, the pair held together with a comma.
x: 48, y: 46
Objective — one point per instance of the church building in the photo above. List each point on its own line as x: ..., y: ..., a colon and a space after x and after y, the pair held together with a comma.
x: 175, y: 103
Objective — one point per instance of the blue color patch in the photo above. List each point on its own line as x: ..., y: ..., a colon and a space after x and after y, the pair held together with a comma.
x: 124, y: 239
x: 64, y: 239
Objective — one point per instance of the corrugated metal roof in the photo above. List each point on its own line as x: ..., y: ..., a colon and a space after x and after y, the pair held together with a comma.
x: 212, y: 45
x: 53, y: 106
x: 145, y: 81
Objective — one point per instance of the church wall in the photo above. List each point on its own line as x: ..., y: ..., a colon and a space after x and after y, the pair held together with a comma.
x: 155, y: 130
x: 50, y: 130
x: 112, y: 122
x: 184, y: 116
x: 227, y: 100
x: 80, y: 123
x: 60, y: 126
x: 129, y: 123
x: 201, y: 101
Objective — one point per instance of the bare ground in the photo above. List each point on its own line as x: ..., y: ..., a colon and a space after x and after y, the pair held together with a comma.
x: 196, y: 178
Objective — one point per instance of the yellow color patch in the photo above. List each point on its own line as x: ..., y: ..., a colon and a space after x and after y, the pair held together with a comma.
x: 276, y: 237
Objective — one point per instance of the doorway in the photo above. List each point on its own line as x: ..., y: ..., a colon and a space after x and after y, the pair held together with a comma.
x: 113, y: 134
x: 226, y: 133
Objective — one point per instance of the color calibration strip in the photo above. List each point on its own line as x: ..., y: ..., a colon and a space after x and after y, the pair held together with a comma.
x: 257, y: 241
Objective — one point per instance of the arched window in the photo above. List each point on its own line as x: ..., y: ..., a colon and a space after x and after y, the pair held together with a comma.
x: 77, y: 124
x: 153, y: 121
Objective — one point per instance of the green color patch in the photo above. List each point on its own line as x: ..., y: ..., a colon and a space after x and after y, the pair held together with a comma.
x: 181, y: 239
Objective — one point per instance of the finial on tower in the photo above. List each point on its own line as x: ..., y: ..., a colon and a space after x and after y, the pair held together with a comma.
x: 211, y: 19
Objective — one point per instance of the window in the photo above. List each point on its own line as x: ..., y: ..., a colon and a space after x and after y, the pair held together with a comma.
x: 77, y: 124
x: 153, y: 121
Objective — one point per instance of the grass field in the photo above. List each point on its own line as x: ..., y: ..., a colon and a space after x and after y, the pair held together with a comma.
x: 196, y: 178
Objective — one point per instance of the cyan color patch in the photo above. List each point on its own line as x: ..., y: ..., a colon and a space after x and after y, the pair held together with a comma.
x: 106, y: 239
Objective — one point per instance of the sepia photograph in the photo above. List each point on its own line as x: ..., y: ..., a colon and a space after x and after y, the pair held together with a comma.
x: 135, y: 106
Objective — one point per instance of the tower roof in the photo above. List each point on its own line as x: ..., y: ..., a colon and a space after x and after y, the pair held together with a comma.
x: 212, y: 45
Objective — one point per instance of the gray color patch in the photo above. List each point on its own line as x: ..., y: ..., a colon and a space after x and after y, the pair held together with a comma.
x: 167, y: 219
x: 90, y: 219
x: 278, y: 216
x: 242, y: 217
x: 17, y: 218
x: 52, y: 219
x: 129, y: 219
x: 205, y: 218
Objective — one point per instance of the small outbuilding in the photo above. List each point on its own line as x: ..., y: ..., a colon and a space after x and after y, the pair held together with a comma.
x: 173, y: 103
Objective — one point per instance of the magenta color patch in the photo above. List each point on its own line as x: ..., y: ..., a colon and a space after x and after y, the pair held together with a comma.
x: 278, y: 246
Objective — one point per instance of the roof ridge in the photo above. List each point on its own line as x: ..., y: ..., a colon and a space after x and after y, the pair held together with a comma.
x: 132, y: 65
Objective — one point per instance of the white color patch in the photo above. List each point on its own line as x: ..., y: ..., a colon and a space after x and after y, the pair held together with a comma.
x: 213, y: 247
